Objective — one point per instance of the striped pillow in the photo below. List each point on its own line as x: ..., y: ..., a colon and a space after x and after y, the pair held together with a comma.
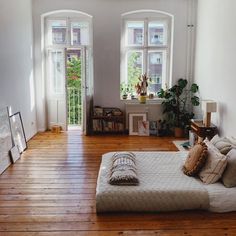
x: 215, y: 165
x: 123, y: 170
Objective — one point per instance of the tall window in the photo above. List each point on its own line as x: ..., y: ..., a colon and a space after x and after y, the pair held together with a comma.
x: 62, y: 33
x: 145, y: 49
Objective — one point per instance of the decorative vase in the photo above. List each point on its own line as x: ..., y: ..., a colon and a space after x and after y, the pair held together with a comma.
x: 179, y: 132
x: 142, y: 99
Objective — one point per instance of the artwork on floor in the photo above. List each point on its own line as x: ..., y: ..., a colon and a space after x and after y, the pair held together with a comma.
x: 15, y: 154
x: 18, y: 132
x: 143, y: 128
x: 134, y: 118
x: 153, y: 129
x: 5, y: 139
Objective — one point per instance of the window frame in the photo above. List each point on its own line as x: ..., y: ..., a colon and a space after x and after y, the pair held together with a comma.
x: 69, y: 37
x: 147, y: 17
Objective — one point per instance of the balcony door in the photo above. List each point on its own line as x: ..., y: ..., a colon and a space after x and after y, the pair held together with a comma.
x: 69, y: 85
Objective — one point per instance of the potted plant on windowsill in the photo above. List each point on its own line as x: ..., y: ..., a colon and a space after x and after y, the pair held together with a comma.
x: 124, y: 90
x: 141, y: 87
x: 177, y: 105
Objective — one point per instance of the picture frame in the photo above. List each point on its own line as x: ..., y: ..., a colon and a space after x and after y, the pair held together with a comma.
x: 143, y: 128
x: 15, y: 154
x: 18, y: 132
x: 153, y: 129
x: 6, y: 141
x: 133, y: 122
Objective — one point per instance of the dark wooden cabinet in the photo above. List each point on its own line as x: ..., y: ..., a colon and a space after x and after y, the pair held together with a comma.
x: 202, y: 131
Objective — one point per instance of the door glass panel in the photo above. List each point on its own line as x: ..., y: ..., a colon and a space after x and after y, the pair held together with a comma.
x: 155, y: 70
x: 73, y: 78
x: 57, y: 72
x: 156, y: 33
x: 135, y: 33
x: 57, y: 32
x: 134, y: 67
x: 79, y: 33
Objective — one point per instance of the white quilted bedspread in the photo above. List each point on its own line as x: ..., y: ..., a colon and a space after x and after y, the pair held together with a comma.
x: 163, y: 186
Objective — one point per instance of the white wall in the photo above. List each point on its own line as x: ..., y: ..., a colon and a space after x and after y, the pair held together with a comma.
x: 16, y: 67
x: 106, y: 29
x: 215, y: 59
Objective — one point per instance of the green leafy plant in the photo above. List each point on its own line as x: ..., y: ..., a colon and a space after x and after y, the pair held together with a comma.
x: 177, y: 103
x: 73, y: 74
x: 127, y: 90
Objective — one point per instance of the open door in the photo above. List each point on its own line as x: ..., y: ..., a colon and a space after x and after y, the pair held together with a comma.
x: 87, y: 87
x: 56, y: 92
x: 65, y: 106
x: 69, y: 85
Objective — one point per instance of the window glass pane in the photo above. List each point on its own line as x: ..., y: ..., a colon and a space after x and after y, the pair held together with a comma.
x: 56, y: 72
x: 79, y: 33
x: 135, y: 33
x: 156, y: 33
x: 134, y: 67
x: 57, y: 32
x: 156, y: 64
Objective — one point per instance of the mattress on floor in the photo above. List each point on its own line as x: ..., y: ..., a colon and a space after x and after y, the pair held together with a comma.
x: 163, y: 186
x: 221, y: 199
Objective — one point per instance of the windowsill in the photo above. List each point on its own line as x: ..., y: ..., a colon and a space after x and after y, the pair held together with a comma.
x: 148, y: 101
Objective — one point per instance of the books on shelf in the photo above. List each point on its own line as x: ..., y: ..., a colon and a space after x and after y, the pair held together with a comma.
x: 97, y: 125
x: 107, y: 119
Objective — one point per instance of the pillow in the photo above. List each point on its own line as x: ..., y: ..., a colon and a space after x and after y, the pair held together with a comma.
x: 229, y: 175
x: 232, y: 140
x: 196, y: 159
x: 223, y: 144
x: 215, y: 165
x: 123, y: 170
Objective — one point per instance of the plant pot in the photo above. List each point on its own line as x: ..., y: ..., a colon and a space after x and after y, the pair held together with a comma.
x: 124, y: 96
x: 179, y: 132
x: 142, y: 99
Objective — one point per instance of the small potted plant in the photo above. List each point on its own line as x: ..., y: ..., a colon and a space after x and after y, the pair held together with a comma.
x: 177, y: 105
x: 124, y: 90
x: 141, y: 88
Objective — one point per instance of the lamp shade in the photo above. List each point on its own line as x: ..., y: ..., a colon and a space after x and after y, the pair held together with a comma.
x: 209, y: 106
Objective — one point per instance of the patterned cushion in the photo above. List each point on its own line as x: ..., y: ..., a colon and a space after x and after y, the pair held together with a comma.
x: 123, y: 170
x: 229, y: 175
x: 196, y: 159
x: 215, y: 165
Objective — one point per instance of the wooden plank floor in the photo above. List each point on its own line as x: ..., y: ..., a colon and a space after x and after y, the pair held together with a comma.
x: 51, y: 191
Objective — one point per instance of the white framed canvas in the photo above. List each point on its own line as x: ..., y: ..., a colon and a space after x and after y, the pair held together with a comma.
x: 15, y: 154
x: 5, y: 139
x: 143, y: 128
x: 18, y: 132
x: 134, y: 118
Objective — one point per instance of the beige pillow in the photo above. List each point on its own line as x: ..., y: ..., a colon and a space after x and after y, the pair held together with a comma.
x: 232, y: 140
x: 123, y: 169
x: 215, y: 165
x: 196, y: 159
x: 229, y: 175
x: 223, y: 144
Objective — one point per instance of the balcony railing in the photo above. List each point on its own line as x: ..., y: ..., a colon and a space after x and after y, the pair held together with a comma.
x: 74, y: 106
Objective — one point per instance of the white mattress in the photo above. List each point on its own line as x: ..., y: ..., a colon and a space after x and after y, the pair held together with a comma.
x: 163, y: 187
x: 221, y: 199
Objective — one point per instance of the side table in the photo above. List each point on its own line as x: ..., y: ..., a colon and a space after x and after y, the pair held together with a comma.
x: 202, y: 131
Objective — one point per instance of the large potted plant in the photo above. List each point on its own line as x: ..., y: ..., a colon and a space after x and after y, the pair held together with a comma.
x: 177, y: 105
